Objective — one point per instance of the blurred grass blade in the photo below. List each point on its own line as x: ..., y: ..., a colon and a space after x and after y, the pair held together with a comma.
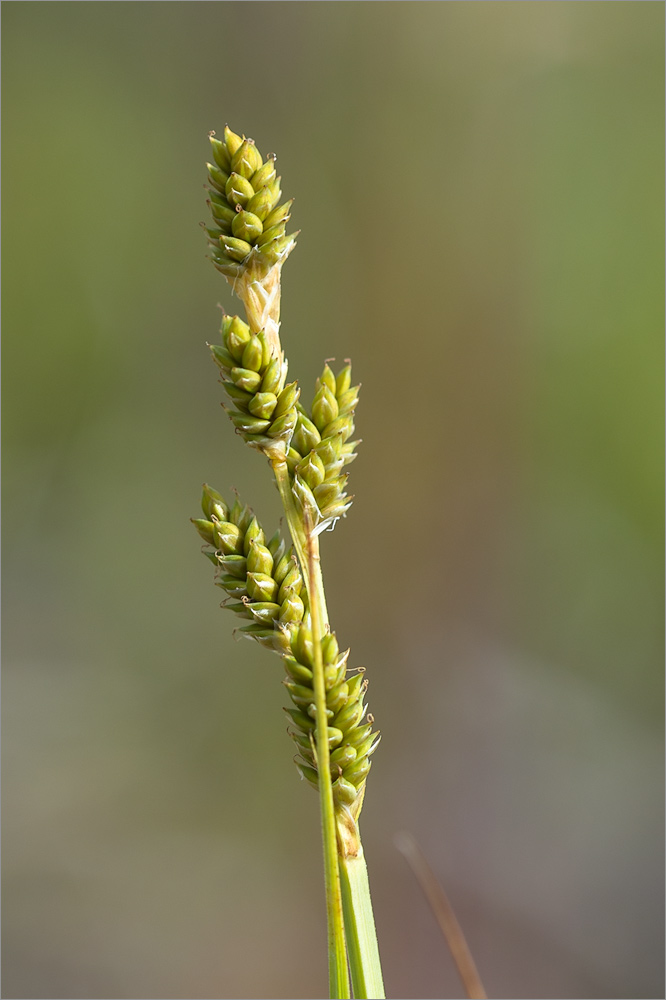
x: 444, y: 914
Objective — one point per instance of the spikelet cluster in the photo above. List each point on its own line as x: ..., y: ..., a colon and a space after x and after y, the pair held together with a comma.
x: 264, y: 584
x: 254, y: 377
x: 244, y: 200
x: 320, y: 449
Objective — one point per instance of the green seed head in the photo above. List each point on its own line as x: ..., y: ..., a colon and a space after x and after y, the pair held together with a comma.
x: 245, y: 203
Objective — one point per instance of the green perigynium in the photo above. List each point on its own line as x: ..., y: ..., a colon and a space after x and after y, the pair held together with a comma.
x: 278, y: 590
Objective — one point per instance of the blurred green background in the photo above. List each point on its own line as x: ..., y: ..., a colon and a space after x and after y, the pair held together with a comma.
x: 479, y: 189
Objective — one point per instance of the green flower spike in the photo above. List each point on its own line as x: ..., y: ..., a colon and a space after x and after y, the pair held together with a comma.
x: 264, y: 584
x: 265, y: 413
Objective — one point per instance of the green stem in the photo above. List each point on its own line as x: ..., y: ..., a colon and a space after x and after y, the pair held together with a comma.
x: 366, y: 970
x: 307, y: 548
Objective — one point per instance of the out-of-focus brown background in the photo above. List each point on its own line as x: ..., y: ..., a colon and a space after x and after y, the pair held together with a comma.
x: 479, y: 188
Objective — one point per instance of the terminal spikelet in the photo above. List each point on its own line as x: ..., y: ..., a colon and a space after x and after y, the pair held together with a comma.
x: 264, y: 585
x: 254, y: 376
x: 249, y: 221
x: 320, y: 449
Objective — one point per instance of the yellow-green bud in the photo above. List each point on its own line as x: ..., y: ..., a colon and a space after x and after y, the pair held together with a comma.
x: 253, y: 533
x: 358, y: 771
x: 235, y: 566
x: 327, y: 378
x: 246, y: 226
x: 220, y: 153
x: 264, y: 612
x: 337, y: 508
x: 241, y: 515
x: 246, y: 379
x: 261, y: 587
x: 282, y: 567
x: 356, y: 685
x: 262, y: 404
x: 350, y: 715
x: 205, y: 529
x: 264, y: 175
x: 246, y: 160
x: 218, y: 178
x: 259, y: 559
x: 337, y: 697
x: 268, y: 349
x: 305, y: 500
x: 261, y: 203
x: 341, y: 425
x: 343, y: 381
x: 221, y: 213
x: 292, y: 609
x: 300, y: 694
x: 326, y: 493
x: 357, y: 737
x: 235, y: 334
x: 238, y: 190
x: 236, y: 249
x: 253, y: 354
x: 343, y: 792
x: 324, y: 407
x: 247, y: 424
x: 312, y: 470
x: 287, y: 399
x: 212, y: 504
x: 309, y: 773
x: 368, y: 745
x: 228, y: 537
x: 293, y: 582
x: 273, y: 188
x: 334, y: 736
x: 301, y: 645
x: 347, y: 400
x: 279, y: 214
x: 297, y: 672
x: 329, y: 648
x: 330, y: 449
x: 299, y: 719
x: 283, y: 427
x: 268, y: 235
x: 334, y: 673
x: 306, y: 436
x: 271, y: 379
x: 276, y: 248
x: 231, y: 140
x: 343, y: 756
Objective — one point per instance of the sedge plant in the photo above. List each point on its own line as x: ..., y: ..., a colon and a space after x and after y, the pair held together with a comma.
x: 276, y: 585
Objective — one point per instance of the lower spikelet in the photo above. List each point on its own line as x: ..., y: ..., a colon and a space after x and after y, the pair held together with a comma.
x: 264, y: 585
